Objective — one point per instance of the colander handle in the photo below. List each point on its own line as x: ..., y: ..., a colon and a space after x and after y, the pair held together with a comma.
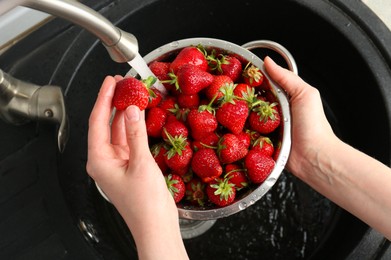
x: 266, y: 44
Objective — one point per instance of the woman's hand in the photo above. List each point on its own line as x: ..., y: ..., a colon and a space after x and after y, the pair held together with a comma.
x: 311, y: 132
x: 119, y: 160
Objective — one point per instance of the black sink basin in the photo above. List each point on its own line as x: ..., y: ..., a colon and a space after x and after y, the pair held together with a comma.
x: 50, y: 209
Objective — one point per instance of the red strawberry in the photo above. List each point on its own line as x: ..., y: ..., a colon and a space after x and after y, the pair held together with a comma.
x: 236, y: 175
x: 179, y: 154
x: 206, y: 165
x: 232, y: 112
x: 221, y: 192
x: 202, y: 121
x: 174, y: 128
x: 258, y: 165
x: 131, y: 91
x: 245, y: 138
x: 230, y: 149
x: 168, y: 103
x: 210, y: 140
x: 154, y: 121
x: 241, y: 89
x: 182, y: 172
x: 225, y: 65
x: 175, y: 186
x: 188, y: 101
x: 189, y: 55
x: 191, y: 80
x: 195, y: 192
x: 264, y: 145
x: 231, y: 67
x: 158, y: 151
x: 154, y: 98
x: 160, y: 70
x: 252, y: 75
x: 277, y: 151
x: 264, y: 117
x: 213, y: 91
x: 177, y: 113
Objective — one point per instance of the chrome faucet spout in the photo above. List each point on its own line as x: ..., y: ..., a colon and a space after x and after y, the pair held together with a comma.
x: 21, y: 102
x: 122, y: 46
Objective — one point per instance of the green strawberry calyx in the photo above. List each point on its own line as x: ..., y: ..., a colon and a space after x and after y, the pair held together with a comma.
x: 262, y: 140
x: 223, y: 188
x: 265, y: 110
x: 252, y: 73
x: 197, y: 193
x: 228, y: 93
x: 148, y: 82
x: 177, y: 143
x: 170, y: 182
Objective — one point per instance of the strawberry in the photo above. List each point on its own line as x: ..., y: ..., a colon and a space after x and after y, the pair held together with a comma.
x: 264, y: 117
x: 160, y: 70
x: 252, y: 75
x: 277, y: 151
x: 245, y: 138
x: 175, y: 128
x: 230, y: 149
x: 202, y: 121
x: 236, y: 175
x: 154, y: 98
x: 189, y: 55
x: 158, y: 150
x: 195, y: 192
x: 210, y: 140
x: 168, y: 103
x: 154, y: 121
x: 264, y: 145
x: 131, y: 91
x: 206, y: 165
x: 241, y: 89
x: 191, y: 80
x: 179, y: 153
x: 221, y: 192
x: 188, y: 101
x: 225, y: 65
x: 232, y: 112
x: 177, y: 113
x: 258, y: 166
x: 213, y: 90
x: 175, y: 186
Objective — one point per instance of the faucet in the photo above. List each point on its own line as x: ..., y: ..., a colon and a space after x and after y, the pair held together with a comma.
x: 21, y: 102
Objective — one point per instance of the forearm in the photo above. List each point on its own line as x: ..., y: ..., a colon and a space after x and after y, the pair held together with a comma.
x: 160, y: 242
x: 158, y: 236
x: 354, y: 181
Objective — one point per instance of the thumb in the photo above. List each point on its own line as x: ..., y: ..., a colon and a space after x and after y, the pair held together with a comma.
x: 136, y: 134
x: 292, y: 83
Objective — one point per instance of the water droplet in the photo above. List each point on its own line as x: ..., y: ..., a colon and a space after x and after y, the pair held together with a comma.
x: 285, y: 119
x: 242, y: 205
x: 271, y: 181
x: 252, y: 202
x: 174, y: 44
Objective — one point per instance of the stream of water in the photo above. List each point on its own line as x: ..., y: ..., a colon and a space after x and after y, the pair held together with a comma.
x: 141, y: 67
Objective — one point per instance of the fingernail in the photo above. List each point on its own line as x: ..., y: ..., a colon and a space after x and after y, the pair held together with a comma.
x: 132, y: 113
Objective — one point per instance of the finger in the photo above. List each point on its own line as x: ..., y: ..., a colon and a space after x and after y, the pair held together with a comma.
x: 118, y: 131
x: 136, y: 134
x: 99, y: 122
x: 292, y: 83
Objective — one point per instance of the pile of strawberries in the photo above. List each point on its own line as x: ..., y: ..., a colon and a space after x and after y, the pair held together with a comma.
x: 216, y: 133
